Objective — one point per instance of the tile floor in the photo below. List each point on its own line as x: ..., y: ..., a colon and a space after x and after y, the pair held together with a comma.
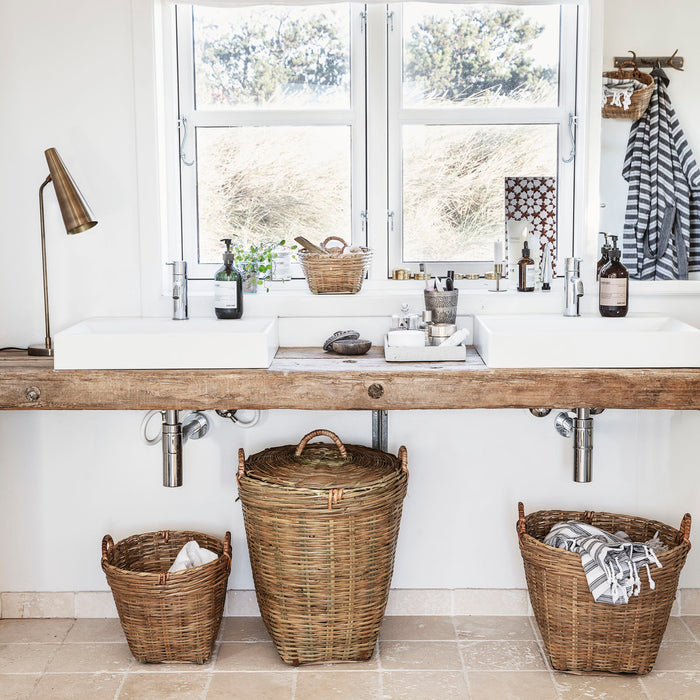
x: 419, y: 658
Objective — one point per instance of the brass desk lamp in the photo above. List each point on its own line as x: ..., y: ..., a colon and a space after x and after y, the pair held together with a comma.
x: 77, y: 217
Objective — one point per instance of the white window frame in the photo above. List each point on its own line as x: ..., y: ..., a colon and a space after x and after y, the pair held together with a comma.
x: 399, y: 116
x: 353, y: 117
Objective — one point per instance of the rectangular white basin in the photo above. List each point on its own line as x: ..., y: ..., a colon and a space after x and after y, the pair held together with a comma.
x: 551, y: 340
x: 161, y: 343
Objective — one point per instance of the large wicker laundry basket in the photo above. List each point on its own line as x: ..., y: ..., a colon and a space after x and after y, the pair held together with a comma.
x: 579, y: 634
x: 322, y: 522
x: 167, y: 617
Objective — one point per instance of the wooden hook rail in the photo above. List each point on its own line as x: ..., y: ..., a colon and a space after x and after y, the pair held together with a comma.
x: 672, y: 61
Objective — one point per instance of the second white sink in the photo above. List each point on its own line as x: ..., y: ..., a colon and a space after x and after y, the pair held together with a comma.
x: 550, y: 340
x: 161, y: 343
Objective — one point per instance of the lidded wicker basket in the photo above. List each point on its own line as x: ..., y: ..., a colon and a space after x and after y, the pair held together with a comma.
x: 167, y: 617
x: 322, y: 522
x: 579, y: 634
x: 338, y: 272
x: 640, y: 97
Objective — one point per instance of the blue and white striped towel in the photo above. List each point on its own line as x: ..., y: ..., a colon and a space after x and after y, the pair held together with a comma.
x: 611, y: 562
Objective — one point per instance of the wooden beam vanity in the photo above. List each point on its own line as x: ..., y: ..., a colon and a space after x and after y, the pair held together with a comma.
x: 308, y: 378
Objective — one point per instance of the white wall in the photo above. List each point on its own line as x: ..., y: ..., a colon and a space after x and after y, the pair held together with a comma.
x: 67, y: 478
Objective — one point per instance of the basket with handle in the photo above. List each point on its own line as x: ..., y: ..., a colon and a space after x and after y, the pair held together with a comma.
x: 338, y: 272
x: 640, y: 97
x: 167, y: 617
x: 579, y: 634
x: 322, y: 522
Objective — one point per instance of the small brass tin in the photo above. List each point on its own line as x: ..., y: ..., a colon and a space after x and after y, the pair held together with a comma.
x: 471, y: 276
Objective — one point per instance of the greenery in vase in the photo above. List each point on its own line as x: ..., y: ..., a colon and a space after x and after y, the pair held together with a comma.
x: 256, y: 260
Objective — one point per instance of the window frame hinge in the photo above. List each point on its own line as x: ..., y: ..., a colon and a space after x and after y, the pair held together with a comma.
x: 390, y: 19
x: 364, y: 219
x: 363, y: 21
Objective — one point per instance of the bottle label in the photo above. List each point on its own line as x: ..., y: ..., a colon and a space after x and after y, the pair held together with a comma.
x: 530, y: 276
x: 225, y: 295
x: 613, y: 291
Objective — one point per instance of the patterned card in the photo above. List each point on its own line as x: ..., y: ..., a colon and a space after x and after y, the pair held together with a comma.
x: 534, y: 199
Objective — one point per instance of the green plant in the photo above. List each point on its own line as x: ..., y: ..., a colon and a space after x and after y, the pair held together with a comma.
x: 255, y: 260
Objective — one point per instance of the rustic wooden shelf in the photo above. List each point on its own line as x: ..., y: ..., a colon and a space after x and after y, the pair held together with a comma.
x: 308, y: 378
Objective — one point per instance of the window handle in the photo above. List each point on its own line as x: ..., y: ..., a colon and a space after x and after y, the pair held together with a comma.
x: 572, y: 135
x: 390, y: 217
x: 182, y: 124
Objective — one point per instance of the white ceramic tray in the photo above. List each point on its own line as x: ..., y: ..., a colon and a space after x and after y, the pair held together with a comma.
x: 427, y: 353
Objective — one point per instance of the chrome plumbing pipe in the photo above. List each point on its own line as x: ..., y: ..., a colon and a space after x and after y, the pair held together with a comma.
x: 172, y: 449
x: 583, y: 446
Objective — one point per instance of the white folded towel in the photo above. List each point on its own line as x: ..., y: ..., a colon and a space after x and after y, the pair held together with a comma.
x: 191, y: 555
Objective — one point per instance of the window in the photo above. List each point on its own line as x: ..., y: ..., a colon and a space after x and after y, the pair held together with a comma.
x: 393, y: 127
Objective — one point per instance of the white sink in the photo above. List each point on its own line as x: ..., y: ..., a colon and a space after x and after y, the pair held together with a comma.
x: 550, y: 340
x: 161, y: 343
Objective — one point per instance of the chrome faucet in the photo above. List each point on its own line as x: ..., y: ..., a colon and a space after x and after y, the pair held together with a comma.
x: 573, y: 286
x: 179, y: 290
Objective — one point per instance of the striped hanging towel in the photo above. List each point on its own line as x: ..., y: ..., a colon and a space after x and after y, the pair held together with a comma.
x: 611, y: 562
x: 662, y: 220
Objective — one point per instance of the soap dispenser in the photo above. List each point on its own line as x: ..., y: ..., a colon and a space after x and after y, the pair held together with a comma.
x: 604, y: 256
x: 526, y: 271
x: 228, y: 287
x: 613, y: 291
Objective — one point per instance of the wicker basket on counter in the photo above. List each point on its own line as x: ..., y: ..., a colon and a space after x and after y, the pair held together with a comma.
x: 167, y: 617
x: 640, y: 97
x: 338, y: 272
x: 322, y: 522
x: 579, y: 634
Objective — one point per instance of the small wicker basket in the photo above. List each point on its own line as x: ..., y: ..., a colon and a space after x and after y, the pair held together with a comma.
x: 167, y: 617
x: 640, y: 97
x: 322, y: 522
x: 583, y: 636
x: 338, y: 272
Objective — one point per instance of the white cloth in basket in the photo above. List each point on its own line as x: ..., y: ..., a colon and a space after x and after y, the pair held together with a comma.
x: 620, y: 90
x: 191, y: 555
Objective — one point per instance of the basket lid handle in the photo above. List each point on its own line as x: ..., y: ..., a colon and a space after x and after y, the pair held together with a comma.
x: 342, y: 247
x: 685, y: 527
x: 521, y: 519
x: 314, y: 433
x: 107, y: 548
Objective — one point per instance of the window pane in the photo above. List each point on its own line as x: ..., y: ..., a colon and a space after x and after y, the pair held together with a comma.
x: 272, y: 57
x: 271, y: 183
x: 480, y: 55
x: 453, y: 185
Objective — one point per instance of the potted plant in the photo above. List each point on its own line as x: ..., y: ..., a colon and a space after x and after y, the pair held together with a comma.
x: 254, y: 262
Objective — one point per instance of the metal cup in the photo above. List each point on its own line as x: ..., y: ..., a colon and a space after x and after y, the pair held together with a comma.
x: 442, y: 304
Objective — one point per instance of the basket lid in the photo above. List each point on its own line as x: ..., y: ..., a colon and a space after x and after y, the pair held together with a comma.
x: 322, y: 466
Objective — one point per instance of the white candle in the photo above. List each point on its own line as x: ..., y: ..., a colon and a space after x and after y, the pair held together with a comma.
x: 498, y: 252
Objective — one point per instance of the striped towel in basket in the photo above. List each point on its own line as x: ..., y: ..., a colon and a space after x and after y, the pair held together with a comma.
x: 611, y: 562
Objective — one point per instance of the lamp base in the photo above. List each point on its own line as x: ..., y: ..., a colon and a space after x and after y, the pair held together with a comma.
x: 40, y: 349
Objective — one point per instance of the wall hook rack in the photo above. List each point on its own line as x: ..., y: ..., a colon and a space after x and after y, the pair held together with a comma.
x: 672, y: 61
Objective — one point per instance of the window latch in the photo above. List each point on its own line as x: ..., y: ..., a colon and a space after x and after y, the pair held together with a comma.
x: 363, y: 220
x: 390, y: 218
x: 573, y: 119
x: 182, y: 124
x: 390, y: 20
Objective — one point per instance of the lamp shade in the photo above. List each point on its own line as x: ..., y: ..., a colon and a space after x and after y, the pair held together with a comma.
x: 76, y: 213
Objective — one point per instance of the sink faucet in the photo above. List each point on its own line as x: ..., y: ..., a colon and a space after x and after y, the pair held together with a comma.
x: 573, y: 286
x: 179, y: 290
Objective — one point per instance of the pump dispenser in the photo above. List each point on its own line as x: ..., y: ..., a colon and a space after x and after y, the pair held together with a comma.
x: 604, y: 256
x: 228, y: 287
x: 526, y: 271
x: 613, y: 299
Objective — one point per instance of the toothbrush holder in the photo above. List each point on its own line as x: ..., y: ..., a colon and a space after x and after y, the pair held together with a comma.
x: 442, y: 304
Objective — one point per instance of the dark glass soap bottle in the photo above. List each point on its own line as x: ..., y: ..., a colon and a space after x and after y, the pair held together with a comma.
x: 228, y: 287
x: 526, y: 271
x: 604, y: 256
x: 613, y: 286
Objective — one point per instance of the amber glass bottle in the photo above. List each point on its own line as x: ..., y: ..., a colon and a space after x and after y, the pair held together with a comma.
x: 613, y: 286
x: 526, y: 271
x: 604, y: 256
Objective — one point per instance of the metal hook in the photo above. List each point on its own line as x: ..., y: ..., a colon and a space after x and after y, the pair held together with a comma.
x: 182, y: 123
x: 572, y: 154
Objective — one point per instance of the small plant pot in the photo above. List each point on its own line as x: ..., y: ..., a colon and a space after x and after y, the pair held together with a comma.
x: 250, y: 284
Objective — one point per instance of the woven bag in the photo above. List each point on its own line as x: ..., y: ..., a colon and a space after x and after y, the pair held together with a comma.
x: 337, y: 272
x: 579, y: 634
x: 322, y: 522
x: 167, y: 617
x: 640, y: 97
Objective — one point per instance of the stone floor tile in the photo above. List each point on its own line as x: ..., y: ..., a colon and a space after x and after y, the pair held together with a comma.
x: 96, y: 629
x: 678, y: 656
x: 71, y: 686
x: 511, y: 685
x: 412, y: 628
x: 26, y: 658
x: 341, y: 685
x: 249, y: 656
x: 243, y: 629
x: 693, y: 624
x: 622, y: 687
x: 677, y: 631
x: 38, y: 631
x: 91, y: 658
x: 166, y: 686
x: 672, y: 684
x: 437, y: 656
x: 420, y: 685
x: 502, y: 656
x: 17, y: 687
x: 492, y: 627
x: 251, y: 686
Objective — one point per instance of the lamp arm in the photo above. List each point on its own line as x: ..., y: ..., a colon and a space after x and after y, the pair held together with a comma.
x: 47, y: 339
